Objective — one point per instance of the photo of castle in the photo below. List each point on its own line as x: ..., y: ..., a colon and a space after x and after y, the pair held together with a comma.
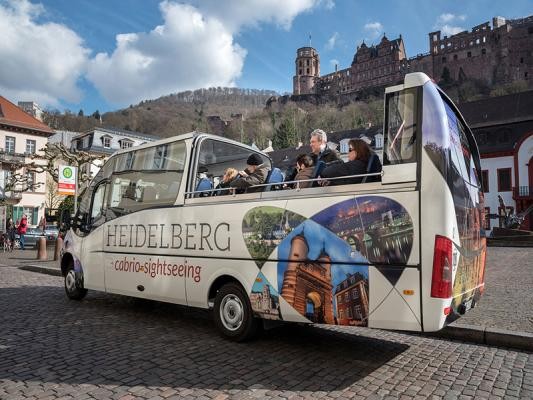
x: 264, y: 299
x: 377, y: 227
x: 264, y: 228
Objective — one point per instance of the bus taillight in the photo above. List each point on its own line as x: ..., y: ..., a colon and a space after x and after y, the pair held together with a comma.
x: 441, y: 282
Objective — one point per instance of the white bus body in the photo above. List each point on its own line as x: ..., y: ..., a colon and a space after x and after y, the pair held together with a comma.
x: 405, y: 253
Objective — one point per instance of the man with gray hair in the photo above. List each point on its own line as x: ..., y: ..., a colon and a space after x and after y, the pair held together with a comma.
x: 319, y: 148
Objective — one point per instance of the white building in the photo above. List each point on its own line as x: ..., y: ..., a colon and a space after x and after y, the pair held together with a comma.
x: 32, y: 108
x: 105, y: 141
x: 21, y: 135
x: 503, y: 127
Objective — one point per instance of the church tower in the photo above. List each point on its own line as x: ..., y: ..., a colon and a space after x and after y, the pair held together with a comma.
x: 307, y: 70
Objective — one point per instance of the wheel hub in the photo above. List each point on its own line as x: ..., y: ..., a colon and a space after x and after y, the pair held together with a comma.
x: 231, y: 312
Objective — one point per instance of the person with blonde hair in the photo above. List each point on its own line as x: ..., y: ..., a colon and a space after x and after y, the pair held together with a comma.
x: 230, y: 174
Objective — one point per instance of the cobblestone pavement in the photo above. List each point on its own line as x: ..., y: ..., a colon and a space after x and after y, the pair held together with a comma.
x: 507, y: 302
x: 112, y: 347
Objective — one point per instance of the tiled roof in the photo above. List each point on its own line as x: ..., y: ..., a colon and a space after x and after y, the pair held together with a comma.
x: 11, y: 115
x: 510, y: 108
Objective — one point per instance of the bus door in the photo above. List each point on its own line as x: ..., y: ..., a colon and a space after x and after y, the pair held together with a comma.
x: 143, y: 238
x: 91, y: 248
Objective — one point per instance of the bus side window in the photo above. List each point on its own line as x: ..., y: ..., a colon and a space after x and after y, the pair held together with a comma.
x: 97, y: 209
x: 401, y: 127
x: 214, y: 158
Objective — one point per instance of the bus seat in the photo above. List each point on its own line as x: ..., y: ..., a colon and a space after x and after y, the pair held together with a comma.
x: 372, y: 166
x: 275, y: 176
x: 203, y: 184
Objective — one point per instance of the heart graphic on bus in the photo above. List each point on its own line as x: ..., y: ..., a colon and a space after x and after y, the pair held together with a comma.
x: 322, y: 257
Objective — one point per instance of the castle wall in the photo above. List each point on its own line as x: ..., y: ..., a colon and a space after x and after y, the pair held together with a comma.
x: 499, y: 55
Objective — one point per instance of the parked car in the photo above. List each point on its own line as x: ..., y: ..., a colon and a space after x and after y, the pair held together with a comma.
x: 51, y: 232
x: 30, y: 239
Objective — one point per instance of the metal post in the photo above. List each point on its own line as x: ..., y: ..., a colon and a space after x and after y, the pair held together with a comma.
x: 76, y: 192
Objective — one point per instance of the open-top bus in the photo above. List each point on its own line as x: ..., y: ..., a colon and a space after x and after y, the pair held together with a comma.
x: 406, y: 252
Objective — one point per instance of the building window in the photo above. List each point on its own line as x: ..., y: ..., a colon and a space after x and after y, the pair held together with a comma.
x: 126, y: 144
x: 485, y: 180
x: 106, y: 142
x: 521, y: 60
x: 355, y: 293
x: 307, y: 71
x: 469, y: 54
x: 455, y: 56
x: 444, y: 60
x: 30, y: 181
x: 300, y: 71
x: 31, y: 214
x: 504, y: 180
x: 30, y: 146
x: 10, y: 144
x: 483, y: 51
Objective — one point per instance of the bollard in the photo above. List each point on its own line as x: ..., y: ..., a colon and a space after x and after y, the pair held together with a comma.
x: 57, y: 250
x: 41, y: 249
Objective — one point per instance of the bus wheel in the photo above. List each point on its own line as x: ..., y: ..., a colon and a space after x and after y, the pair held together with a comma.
x: 74, y: 285
x: 233, y: 313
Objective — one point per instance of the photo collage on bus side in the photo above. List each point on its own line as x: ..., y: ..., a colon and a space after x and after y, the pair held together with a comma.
x: 322, y: 261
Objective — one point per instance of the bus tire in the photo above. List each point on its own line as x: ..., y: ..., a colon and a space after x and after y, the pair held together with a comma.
x: 74, y: 285
x: 233, y: 314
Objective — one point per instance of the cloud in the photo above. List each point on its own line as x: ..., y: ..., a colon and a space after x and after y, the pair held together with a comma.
x: 238, y: 13
x: 330, y: 44
x: 328, y: 4
x: 194, y: 47
x: 34, y: 66
x: 374, y: 29
x: 447, y: 24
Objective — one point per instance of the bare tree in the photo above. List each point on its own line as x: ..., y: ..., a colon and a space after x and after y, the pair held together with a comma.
x: 53, y: 154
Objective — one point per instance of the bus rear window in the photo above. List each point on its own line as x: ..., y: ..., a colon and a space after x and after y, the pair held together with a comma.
x: 401, y: 119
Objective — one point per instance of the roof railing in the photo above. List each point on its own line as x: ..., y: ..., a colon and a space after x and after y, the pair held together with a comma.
x: 233, y: 190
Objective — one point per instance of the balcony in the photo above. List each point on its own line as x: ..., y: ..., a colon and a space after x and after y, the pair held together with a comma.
x: 10, y: 197
x: 523, y: 192
x: 12, y: 158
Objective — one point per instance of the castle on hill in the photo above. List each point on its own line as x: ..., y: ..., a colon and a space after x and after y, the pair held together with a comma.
x: 499, y: 54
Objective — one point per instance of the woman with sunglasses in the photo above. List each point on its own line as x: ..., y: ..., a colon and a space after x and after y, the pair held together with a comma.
x: 358, y: 156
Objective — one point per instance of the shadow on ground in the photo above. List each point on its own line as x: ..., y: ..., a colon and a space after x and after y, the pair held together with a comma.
x: 108, y: 339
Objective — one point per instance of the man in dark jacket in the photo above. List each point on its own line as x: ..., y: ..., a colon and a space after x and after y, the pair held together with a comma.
x: 320, y: 154
x: 319, y: 148
x: 255, y: 174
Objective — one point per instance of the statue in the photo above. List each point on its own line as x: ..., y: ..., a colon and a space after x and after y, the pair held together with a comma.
x: 511, y: 220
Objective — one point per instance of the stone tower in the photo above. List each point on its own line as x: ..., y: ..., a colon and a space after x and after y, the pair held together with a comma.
x: 308, y: 283
x: 307, y: 70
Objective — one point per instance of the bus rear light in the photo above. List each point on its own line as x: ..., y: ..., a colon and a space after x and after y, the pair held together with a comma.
x: 441, y: 282
x: 447, y: 310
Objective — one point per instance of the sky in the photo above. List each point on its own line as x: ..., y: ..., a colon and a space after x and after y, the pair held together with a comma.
x: 105, y: 55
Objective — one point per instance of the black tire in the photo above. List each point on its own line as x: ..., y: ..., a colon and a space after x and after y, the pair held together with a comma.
x: 230, y: 300
x: 74, y: 285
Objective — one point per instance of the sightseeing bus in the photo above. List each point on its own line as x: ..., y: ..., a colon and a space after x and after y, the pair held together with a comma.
x: 403, y: 252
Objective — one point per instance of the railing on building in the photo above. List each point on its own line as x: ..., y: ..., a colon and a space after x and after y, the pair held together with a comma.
x: 12, y: 157
x: 523, y: 191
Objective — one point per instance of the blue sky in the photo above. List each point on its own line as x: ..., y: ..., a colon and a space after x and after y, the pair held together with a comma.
x: 66, y: 54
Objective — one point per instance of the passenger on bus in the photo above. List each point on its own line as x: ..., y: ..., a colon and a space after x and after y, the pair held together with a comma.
x: 203, y: 184
x: 359, y: 156
x: 255, y: 174
x: 321, y: 154
x: 230, y: 174
x: 320, y: 150
x: 305, y: 167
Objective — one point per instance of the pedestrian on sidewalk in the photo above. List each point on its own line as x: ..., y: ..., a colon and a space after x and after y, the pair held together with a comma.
x: 42, y: 224
x: 10, y: 231
x: 22, y: 227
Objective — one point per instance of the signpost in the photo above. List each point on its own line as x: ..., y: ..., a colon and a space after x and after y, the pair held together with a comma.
x: 68, y: 182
